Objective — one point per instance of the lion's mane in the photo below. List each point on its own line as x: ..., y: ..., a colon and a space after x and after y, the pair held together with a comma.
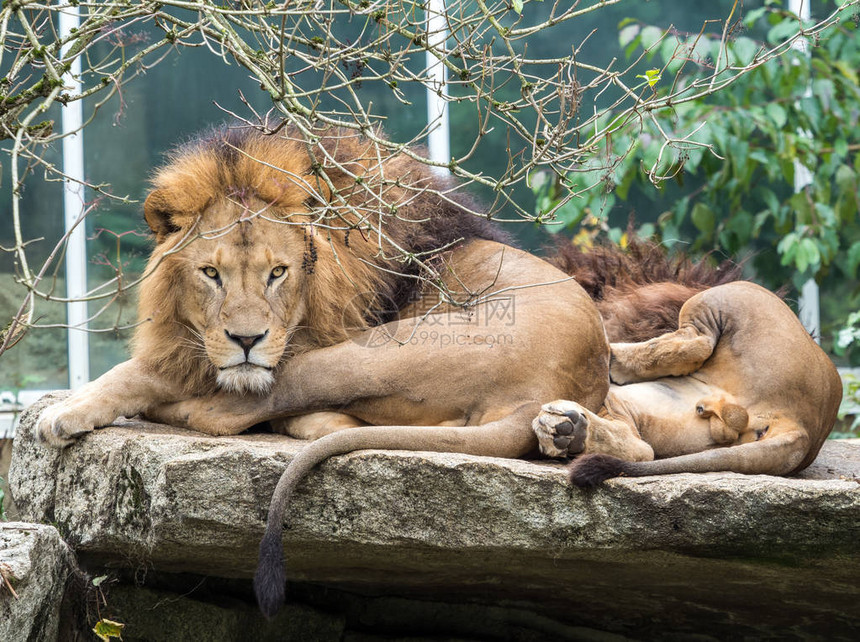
x: 346, y: 185
x: 639, y: 290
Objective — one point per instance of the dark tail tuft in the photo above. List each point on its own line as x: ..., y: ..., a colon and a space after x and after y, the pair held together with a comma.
x: 588, y: 471
x: 270, y: 579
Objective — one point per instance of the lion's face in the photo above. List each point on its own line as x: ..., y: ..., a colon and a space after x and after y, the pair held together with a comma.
x: 244, y: 294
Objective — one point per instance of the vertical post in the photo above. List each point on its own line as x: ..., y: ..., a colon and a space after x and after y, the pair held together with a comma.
x: 808, y: 308
x: 438, y: 140
x: 73, y: 206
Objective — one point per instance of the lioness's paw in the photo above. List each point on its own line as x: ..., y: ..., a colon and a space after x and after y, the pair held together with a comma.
x: 620, y: 370
x: 59, y: 425
x: 561, y: 428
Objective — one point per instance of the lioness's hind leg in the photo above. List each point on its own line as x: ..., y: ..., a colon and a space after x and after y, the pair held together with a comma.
x: 672, y: 355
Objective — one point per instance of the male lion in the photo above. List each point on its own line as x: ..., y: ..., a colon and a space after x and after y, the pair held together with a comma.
x: 739, y: 386
x: 301, y: 273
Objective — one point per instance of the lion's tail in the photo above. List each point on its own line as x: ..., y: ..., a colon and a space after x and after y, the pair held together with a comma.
x: 780, y: 455
x: 510, y: 437
x: 639, y: 290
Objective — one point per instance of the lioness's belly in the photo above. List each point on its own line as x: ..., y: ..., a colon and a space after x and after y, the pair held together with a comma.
x: 664, y: 411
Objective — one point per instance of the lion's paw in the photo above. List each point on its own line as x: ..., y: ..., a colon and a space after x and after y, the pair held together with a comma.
x: 620, y: 364
x: 217, y: 415
x: 61, y: 424
x: 561, y: 428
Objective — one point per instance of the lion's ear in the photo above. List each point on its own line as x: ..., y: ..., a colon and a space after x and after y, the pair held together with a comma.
x: 317, y: 191
x: 166, y: 214
x: 158, y: 215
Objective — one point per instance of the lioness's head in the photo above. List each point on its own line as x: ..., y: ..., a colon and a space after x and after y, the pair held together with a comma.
x: 248, y: 267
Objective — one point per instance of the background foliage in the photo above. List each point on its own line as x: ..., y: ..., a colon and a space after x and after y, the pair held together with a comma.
x: 559, y: 113
x: 767, y: 168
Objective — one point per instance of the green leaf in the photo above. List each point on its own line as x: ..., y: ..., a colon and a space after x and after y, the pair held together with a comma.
x: 670, y: 233
x: 847, y: 70
x: 802, y: 208
x: 745, y: 50
x: 628, y: 34
x: 846, y: 180
x: 840, y: 146
x: 704, y: 219
x: 652, y: 76
x: 672, y: 54
x: 824, y: 89
x: 759, y: 222
x: 650, y: 36
x: 853, y: 259
x: 825, y: 214
x: 634, y: 44
x: 570, y: 213
x: 807, y: 255
x: 107, y: 629
x: 703, y: 49
x: 777, y: 114
x: 517, y: 6
x: 739, y: 152
x: 811, y: 110
x: 625, y: 174
x: 783, y: 30
x: 741, y: 225
x: 787, y: 166
x: 752, y: 16
x: 787, y: 248
x: 760, y: 156
x: 646, y: 231
x: 679, y: 212
x: 770, y: 200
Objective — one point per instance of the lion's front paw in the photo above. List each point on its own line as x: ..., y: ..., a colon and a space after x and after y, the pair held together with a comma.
x: 561, y: 428
x: 61, y: 424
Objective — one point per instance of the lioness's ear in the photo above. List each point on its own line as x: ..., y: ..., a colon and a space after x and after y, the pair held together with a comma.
x: 158, y: 212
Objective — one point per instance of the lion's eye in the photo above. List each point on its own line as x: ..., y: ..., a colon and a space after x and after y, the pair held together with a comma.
x: 210, y: 271
x: 278, y: 272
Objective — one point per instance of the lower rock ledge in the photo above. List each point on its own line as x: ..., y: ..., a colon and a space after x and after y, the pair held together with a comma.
x: 642, y: 558
x: 36, y: 571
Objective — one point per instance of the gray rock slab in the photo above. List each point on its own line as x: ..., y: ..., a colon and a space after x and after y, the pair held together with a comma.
x: 765, y: 555
x: 35, y: 565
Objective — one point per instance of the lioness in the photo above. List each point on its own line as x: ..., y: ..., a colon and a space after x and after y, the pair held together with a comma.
x: 293, y: 275
x: 740, y: 386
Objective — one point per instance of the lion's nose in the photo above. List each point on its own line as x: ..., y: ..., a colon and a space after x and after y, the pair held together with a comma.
x: 246, y: 342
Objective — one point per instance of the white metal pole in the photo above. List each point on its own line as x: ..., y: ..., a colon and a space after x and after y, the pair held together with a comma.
x: 808, y: 308
x: 73, y: 206
x: 438, y: 140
